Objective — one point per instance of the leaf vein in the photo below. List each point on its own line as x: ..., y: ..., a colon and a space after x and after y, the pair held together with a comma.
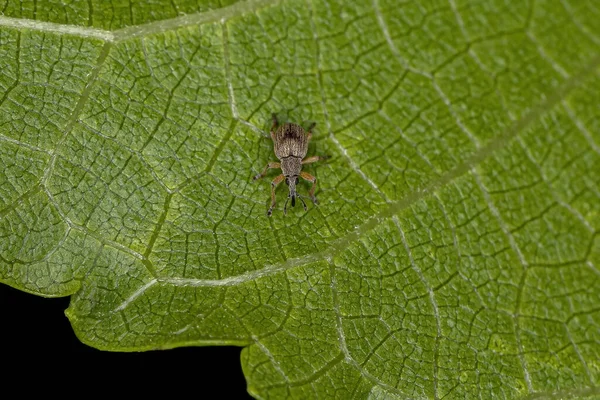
x: 73, y: 119
x: 432, y: 300
x: 52, y: 27
x: 220, y: 14
x: 515, y: 247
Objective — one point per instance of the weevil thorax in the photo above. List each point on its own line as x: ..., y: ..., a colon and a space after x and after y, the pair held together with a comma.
x: 291, y: 166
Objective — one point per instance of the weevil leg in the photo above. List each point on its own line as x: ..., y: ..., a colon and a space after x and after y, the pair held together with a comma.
x: 274, y: 126
x: 269, y: 165
x: 313, y: 159
x: 310, y: 128
x: 310, y: 178
x: 274, y: 184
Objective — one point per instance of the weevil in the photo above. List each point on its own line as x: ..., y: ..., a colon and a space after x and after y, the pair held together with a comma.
x: 290, y: 143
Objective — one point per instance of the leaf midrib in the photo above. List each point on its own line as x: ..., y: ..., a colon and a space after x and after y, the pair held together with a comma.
x: 122, y: 34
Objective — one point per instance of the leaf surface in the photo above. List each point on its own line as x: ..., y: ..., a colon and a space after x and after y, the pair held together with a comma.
x: 455, y: 249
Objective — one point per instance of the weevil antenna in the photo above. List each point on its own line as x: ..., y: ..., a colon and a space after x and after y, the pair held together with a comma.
x: 285, y: 205
x: 303, y: 203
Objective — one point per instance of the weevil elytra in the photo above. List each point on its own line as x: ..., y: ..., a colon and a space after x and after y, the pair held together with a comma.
x: 290, y: 143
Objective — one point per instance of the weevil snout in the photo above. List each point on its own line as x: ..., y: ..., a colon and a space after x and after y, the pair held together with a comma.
x: 292, y: 181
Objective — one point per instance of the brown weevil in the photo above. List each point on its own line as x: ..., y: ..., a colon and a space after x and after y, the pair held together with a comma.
x: 290, y: 143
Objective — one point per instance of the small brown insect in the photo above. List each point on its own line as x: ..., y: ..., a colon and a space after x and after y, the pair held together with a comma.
x: 290, y: 143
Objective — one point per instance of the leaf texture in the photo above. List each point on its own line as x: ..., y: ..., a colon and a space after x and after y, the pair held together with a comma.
x: 455, y: 250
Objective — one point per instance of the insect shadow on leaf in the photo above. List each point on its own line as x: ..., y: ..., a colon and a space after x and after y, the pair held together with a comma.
x: 290, y: 143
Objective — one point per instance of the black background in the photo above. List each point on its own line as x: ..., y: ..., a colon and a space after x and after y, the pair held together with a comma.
x: 36, y: 334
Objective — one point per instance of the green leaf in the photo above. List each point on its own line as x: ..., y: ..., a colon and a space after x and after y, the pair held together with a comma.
x: 455, y: 250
